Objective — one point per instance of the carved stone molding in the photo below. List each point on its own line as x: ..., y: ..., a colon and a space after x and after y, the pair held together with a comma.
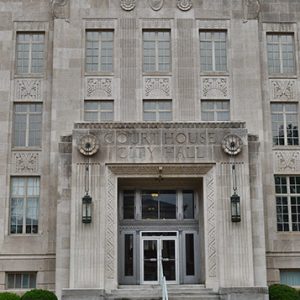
x: 26, y: 162
x: 211, y: 224
x: 28, y: 89
x: 98, y: 88
x: 286, y: 161
x: 283, y: 89
x: 157, y: 88
x: 60, y: 8
x: 215, y: 88
x: 156, y: 4
x: 184, y: 4
x: 128, y: 4
x: 110, y: 255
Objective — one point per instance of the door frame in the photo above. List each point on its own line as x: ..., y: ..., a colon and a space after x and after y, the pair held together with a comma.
x: 159, y: 239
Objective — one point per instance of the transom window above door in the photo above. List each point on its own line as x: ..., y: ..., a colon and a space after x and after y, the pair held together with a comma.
x: 157, y: 204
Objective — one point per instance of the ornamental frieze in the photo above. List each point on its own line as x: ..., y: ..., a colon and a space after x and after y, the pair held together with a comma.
x: 26, y: 162
x: 28, y: 89
x: 215, y: 88
x: 283, y: 89
x: 157, y: 87
x: 98, y: 88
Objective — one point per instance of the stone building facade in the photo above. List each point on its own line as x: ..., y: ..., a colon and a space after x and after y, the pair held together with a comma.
x: 160, y: 111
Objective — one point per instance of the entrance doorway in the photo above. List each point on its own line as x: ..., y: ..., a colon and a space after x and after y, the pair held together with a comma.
x: 161, y: 228
x: 159, y: 253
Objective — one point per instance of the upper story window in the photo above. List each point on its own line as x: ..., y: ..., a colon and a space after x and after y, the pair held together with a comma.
x: 285, y: 123
x: 287, y: 190
x: 24, y: 204
x: 98, y: 110
x: 27, y: 125
x: 157, y: 110
x: 215, y: 110
x: 281, y: 53
x: 30, y: 53
x: 213, y: 51
x: 99, y: 51
x: 157, y: 51
x: 21, y: 280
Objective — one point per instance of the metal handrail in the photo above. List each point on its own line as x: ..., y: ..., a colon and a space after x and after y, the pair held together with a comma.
x: 163, y: 282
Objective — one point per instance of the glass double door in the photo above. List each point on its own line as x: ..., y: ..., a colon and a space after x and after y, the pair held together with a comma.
x: 159, y: 253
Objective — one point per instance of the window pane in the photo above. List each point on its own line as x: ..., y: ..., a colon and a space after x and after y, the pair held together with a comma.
x: 188, y: 204
x: 149, y: 205
x: 167, y: 203
x: 128, y: 204
x: 189, y: 254
x: 290, y: 277
x: 128, y: 255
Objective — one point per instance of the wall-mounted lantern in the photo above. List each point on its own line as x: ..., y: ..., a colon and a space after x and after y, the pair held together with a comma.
x: 87, y: 209
x: 235, y: 208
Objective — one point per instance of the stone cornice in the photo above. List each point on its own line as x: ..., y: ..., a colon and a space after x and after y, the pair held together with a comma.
x: 159, y: 125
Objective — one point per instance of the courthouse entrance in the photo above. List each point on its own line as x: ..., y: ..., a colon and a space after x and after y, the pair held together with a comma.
x: 161, y: 228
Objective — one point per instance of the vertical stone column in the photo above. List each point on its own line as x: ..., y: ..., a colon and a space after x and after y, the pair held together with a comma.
x: 63, y: 210
x: 234, y: 239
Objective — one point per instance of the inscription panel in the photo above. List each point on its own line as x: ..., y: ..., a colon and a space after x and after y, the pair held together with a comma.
x: 162, y: 144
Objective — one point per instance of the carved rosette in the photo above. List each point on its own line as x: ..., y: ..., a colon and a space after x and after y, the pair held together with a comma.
x: 156, y: 4
x: 128, y: 4
x: 287, y: 161
x: 28, y: 89
x: 215, y: 88
x: 88, y: 145
x: 157, y: 88
x: 98, y: 88
x: 26, y: 162
x: 184, y: 4
x: 283, y: 89
x: 232, y: 144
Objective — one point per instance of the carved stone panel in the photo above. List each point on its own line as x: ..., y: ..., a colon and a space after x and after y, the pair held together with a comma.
x: 28, y: 89
x: 26, y: 162
x: 60, y: 9
x: 184, y: 4
x: 156, y: 4
x: 128, y: 4
x: 157, y: 88
x: 283, y: 89
x: 98, y: 88
x: 286, y: 161
x: 215, y: 88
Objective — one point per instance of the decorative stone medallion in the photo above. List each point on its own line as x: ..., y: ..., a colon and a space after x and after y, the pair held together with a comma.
x: 156, y: 4
x: 232, y: 144
x: 88, y: 145
x: 128, y: 4
x: 184, y: 4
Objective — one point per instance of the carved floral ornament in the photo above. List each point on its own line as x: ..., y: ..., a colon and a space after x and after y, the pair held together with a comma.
x: 183, y: 5
x: 88, y: 145
x: 232, y: 144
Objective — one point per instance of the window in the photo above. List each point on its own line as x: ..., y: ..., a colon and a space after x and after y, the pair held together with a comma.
x: 287, y: 190
x: 213, y: 52
x: 99, y: 51
x: 98, y: 111
x: 24, y: 205
x: 21, y: 280
x: 215, y: 110
x: 30, y: 53
x: 157, y: 51
x: 285, y: 123
x: 27, y: 125
x: 290, y: 277
x: 160, y: 110
x: 281, y: 57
